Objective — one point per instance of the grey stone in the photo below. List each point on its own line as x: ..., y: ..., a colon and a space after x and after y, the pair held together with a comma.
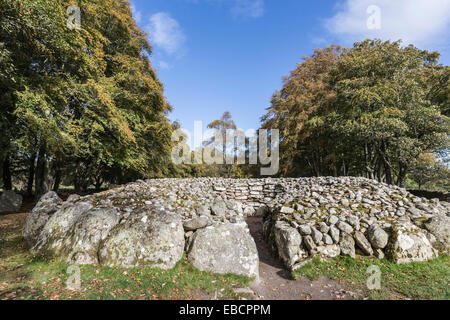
x: 363, y: 244
x: 344, y: 227
x: 305, y: 230
x: 149, y: 237
x: 288, y: 242
x: 10, y: 202
x: 324, y: 228
x: 196, y: 223
x: 334, y: 233
x: 287, y: 210
x: 73, y: 198
x: 347, y: 245
x: 330, y: 251
x: 409, y: 244
x: 316, y: 235
x: 377, y: 237
x: 83, y: 239
x: 225, y: 248
x: 50, y: 239
x: 327, y: 239
x: 309, y: 243
x: 219, y: 208
x: 439, y: 226
x: 47, y: 205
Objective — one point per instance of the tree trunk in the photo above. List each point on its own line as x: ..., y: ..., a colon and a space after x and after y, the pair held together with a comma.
x: 98, y: 183
x: 7, y: 177
x: 58, y: 177
x: 31, y: 172
x: 388, y: 173
x: 41, y: 180
x: 401, y: 179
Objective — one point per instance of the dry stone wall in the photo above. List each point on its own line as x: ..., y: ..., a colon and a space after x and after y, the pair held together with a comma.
x: 153, y: 222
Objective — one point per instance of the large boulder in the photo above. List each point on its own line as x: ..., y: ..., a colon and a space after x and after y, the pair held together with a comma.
x: 10, y: 202
x: 50, y: 240
x: 409, y: 244
x: 225, y: 248
x: 36, y: 220
x: 83, y: 239
x: 439, y: 226
x: 148, y: 237
x: 288, y: 241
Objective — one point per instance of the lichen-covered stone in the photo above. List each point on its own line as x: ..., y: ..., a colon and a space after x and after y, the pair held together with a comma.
x: 409, y: 244
x: 344, y: 227
x: 225, y: 248
x: 196, y: 223
x: 347, y: 245
x: 289, y: 242
x: 363, y: 244
x: 148, y: 237
x: 439, y: 227
x: 330, y: 251
x: 377, y: 237
x: 219, y: 207
x: 84, y: 237
x: 52, y: 236
x: 47, y: 205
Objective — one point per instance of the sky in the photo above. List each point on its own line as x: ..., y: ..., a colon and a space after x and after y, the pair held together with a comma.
x: 230, y: 55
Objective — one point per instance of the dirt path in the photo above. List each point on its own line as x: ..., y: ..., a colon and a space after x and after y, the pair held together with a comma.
x: 276, y: 283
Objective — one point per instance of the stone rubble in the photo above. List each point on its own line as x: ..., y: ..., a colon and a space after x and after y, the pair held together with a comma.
x: 357, y: 216
x: 153, y: 222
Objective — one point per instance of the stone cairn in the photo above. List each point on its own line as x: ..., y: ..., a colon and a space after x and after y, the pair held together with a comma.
x: 155, y: 222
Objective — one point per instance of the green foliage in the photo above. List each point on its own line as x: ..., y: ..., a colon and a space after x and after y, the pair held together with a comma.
x: 429, y: 173
x: 370, y: 110
x: 88, y: 99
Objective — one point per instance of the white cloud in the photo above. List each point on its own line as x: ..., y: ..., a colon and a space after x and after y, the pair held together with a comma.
x: 166, y: 33
x: 136, y: 13
x: 163, y: 65
x: 420, y: 22
x: 248, y: 8
x: 240, y: 8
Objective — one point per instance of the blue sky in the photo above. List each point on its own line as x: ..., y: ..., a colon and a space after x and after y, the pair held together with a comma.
x: 217, y: 55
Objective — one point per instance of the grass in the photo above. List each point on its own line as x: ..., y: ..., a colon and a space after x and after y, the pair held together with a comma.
x: 420, y: 280
x: 23, y: 276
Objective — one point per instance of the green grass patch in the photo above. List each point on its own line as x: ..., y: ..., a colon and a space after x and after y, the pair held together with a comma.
x: 23, y: 276
x: 420, y: 280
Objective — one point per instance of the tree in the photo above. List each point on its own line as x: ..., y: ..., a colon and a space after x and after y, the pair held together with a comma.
x: 297, y: 110
x: 224, y: 125
x: 85, y: 103
x: 382, y: 91
x: 369, y: 111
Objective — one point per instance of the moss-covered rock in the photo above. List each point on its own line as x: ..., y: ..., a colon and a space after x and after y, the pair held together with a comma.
x: 148, y: 237
x: 84, y: 237
x: 409, y: 244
